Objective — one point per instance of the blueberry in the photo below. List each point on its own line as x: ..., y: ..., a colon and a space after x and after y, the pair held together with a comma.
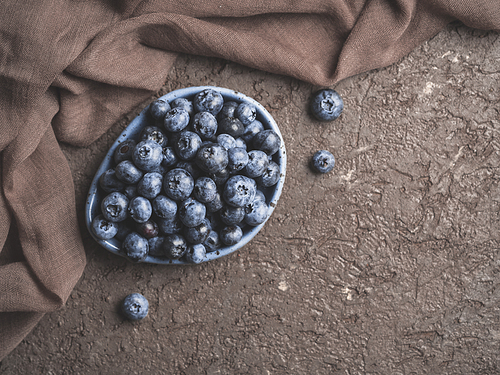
x: 251, y: 130
x: 259, y: 195
x: 257, y: 163
x: 156, y: 246
x: 212, y: 243
x: 326, y: 105
x: 169, y: 157
x: 164, y: 207
x: 154, y: 133
x: 114, y: 207
x: 231, y: 235
x: 205, y: 125
x: 240, y: 142
x: 187, y: 145
x: 220, y: 177
x: 104, y: 229
x: 150, y: 185
x: 190, y: 167
x: 196, y: 254
x: 226, y: 141
x: 228, y: 110
x: 197, y: 234
x: 237, y: 159
x: 109, y: 182
x: 268, y: 141
x: 158, y: 108
x: 211, y: 158
x: 246, y: 113
x: 239, y: 191
x: 135, y: 306
x: 174, y: 246
x: 140, y: 209
x: 230, y: 215
x: 124, y: 151
x: 169, y: 226
x: 176, y: 120
x: 271, y: 175
x: 135, y: 247
x: 323, y: 161
x: 215, y: 204
x: 232, y: 126
x: 128, y: 173
x: 178, y: 184
x: 147, y: 155
x: 256, y: 212
x: 192, y: 212
x: 183, y: 103
x: 130, y: 191
x: 148, y: 229
x: 205, y: 189
x: 208, y: 100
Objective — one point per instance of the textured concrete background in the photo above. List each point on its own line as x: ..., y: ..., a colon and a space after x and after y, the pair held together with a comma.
x: 388, y: 265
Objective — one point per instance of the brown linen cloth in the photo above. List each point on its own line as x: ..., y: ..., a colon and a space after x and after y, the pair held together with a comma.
x: 69, y: 69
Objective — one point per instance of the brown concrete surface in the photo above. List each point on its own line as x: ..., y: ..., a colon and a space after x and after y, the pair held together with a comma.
x: 388, y: 265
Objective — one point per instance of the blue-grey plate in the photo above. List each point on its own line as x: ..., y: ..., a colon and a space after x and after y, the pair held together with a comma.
x: 133, y: 130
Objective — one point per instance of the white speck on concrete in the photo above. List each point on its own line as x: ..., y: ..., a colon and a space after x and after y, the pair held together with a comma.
x: 283, y: 286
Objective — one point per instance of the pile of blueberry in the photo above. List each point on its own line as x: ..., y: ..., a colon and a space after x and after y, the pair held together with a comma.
x: 191, y: 181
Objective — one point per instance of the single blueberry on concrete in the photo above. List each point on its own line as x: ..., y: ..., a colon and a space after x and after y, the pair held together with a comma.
x: 135, y: 306
x: 114, y: 207
x: 135, y: 247
x: 178, y: 184
x: 147, y: 155
x: 326, y: 105
x: 140, y: 209
x: 323, y: 161
x: 104, y: 229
